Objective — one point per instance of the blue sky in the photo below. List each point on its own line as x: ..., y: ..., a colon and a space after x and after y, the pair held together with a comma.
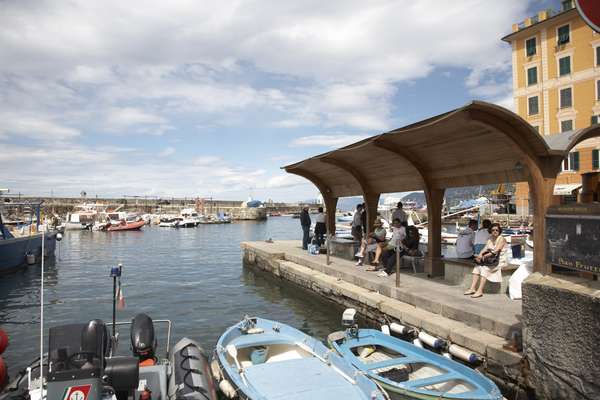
x: 198, y: 98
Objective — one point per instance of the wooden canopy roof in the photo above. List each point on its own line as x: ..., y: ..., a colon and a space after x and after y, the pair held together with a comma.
x: 480, y: 143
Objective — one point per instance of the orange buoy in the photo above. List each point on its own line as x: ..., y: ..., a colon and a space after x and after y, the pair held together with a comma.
x: 3, y: 373
x: 3, y: 341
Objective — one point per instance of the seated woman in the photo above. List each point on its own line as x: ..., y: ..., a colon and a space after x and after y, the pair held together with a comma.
x: 374, y: 242
x: 409, y: 247
x: 395, y: 243
x: 489, y: 262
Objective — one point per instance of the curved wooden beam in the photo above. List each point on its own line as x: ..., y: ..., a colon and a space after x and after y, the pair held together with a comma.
x: 402, y: 152
x: 354, y: 172
x: 315, y: 180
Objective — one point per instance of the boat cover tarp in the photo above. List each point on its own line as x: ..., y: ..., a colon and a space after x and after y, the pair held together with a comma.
x: 306, y: 378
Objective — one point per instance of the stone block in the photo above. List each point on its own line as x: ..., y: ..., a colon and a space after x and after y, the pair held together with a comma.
x: 439, y: 326
x: 561, y: 322
x: 470, y: 338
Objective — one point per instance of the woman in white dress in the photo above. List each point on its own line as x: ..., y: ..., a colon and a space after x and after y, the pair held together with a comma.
x: 485, y: 270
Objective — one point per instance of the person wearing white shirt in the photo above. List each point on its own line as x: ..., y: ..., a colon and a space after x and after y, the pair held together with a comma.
x: 482, y: 235
x: 466, y: 240
x: 320, y: 226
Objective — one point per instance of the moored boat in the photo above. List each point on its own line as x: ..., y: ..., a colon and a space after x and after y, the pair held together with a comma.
x: 263, y: 359
x: 125, y: 226
x: 407, y: 371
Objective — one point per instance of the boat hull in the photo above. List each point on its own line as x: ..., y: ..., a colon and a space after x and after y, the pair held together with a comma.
x: 129, y: 226
x: 431, y: 368
x: 270, y: 353
x: 13, y: 252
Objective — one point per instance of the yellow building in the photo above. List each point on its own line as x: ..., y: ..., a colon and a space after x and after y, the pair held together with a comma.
x: 556, y: 87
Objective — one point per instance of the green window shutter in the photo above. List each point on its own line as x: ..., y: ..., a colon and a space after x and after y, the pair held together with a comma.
x: 530, y: 46
x: 598, y: 56
x: 563, y: 35
x: 594, y: 119
x: 575, y: 161
x: 566, y: 125
x: 598, y: 88
x: 532, y: 76
x: 566, y: 99
x: 595, y: 159
x: 533, y: 105
x: 564, y: 66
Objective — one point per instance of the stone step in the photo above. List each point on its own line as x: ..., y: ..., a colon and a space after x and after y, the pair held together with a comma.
x: 373, y: 304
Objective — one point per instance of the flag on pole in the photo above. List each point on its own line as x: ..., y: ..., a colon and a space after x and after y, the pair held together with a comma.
x: 120, y: 297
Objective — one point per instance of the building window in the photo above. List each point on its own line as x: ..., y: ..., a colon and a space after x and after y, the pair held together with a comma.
x: 595, y: 159
x: 566, y: 98
x: 598, y: 89
x: 564, y: 36
x: 595, y: 119
x: 531, y: 76
x: 571, y: 163
x: 530, y: 47
x: 564, y: 66
x: 598, y: 56
x: 566, y: 125
x: 533, y: 105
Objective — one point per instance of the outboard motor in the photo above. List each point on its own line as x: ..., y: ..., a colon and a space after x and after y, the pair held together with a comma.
x: 143, y: 341
x: 122, y: 374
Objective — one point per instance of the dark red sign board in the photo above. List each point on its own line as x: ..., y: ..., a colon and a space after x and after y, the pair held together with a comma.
x: 590, y: 12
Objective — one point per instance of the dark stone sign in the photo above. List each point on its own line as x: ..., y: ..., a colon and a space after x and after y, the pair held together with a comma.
x: 573, y: 237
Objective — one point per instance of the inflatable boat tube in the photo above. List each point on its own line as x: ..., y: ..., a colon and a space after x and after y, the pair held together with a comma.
x: 191, y: 378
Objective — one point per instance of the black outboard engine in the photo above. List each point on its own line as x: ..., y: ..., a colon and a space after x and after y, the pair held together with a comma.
x: 143, y: 341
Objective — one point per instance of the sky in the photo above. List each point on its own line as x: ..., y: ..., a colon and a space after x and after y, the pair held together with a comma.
x: 187, y: 98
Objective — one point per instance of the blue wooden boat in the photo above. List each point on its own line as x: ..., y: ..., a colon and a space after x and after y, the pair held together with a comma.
x: 407, y: 371
x: 262, y: 359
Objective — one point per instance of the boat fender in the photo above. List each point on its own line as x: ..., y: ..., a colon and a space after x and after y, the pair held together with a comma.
x: 3, y: 374
x: 30, y: 258
x: 192, y: 378
x: 227, y: 389
x: 430, y: 341
x: 216, y: 371
x: 3, y: 341
x: 399, y: 329
x: 463, y: 354
x: 418, y: 343
x: 385, y: 329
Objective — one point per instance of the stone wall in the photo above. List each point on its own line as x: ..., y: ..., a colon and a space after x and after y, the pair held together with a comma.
x: 561, y: 328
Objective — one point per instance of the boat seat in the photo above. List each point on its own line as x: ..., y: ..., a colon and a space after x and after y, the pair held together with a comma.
x: 391, y: 363
x: 288, y: 355
x: 432, y: 380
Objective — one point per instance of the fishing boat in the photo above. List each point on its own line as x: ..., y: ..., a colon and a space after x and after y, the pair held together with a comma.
x: 20, y: 246
x: 262, y: 359
x: 125, y: 226
x: 407, y: 371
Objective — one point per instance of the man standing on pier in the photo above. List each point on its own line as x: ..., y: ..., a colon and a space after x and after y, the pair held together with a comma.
x: 305, y: 223
x: 399, y: 213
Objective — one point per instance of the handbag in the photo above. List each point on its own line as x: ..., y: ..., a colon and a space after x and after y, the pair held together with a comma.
x: 491, y: 261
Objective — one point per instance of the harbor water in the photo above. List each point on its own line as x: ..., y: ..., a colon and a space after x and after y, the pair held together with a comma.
x: 192, y: 276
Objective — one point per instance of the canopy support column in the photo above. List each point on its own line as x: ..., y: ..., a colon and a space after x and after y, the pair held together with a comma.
x: 434, y: 265
x: 330, y: 208
x: 541, y: 192
x: 371, y: 203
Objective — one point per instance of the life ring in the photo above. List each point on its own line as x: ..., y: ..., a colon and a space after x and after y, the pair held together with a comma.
x: 3, y: 373
x: 3, y: 341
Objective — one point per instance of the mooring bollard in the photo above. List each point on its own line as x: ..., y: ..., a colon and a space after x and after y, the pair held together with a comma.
x: 397, y: 266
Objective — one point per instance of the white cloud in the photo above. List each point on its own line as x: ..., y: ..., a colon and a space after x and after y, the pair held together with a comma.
x: 36, y: 127
x: 326, y: 140
x: 168, y: 151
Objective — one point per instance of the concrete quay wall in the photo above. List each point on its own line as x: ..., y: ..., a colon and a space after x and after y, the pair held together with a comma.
x: 500, y: 364
x: 561, y: 328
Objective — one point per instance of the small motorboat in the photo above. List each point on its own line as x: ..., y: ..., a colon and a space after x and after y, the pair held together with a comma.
x: 407, y: 371
x: 262, y: 359
x: 125, y: 226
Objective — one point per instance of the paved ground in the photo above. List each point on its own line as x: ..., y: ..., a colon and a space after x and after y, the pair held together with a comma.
x: 495, y: 313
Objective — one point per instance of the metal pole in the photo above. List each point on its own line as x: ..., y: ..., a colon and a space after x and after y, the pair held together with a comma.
x: 397, y: 266
x: 114, y: 316
x: 327, y: 249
